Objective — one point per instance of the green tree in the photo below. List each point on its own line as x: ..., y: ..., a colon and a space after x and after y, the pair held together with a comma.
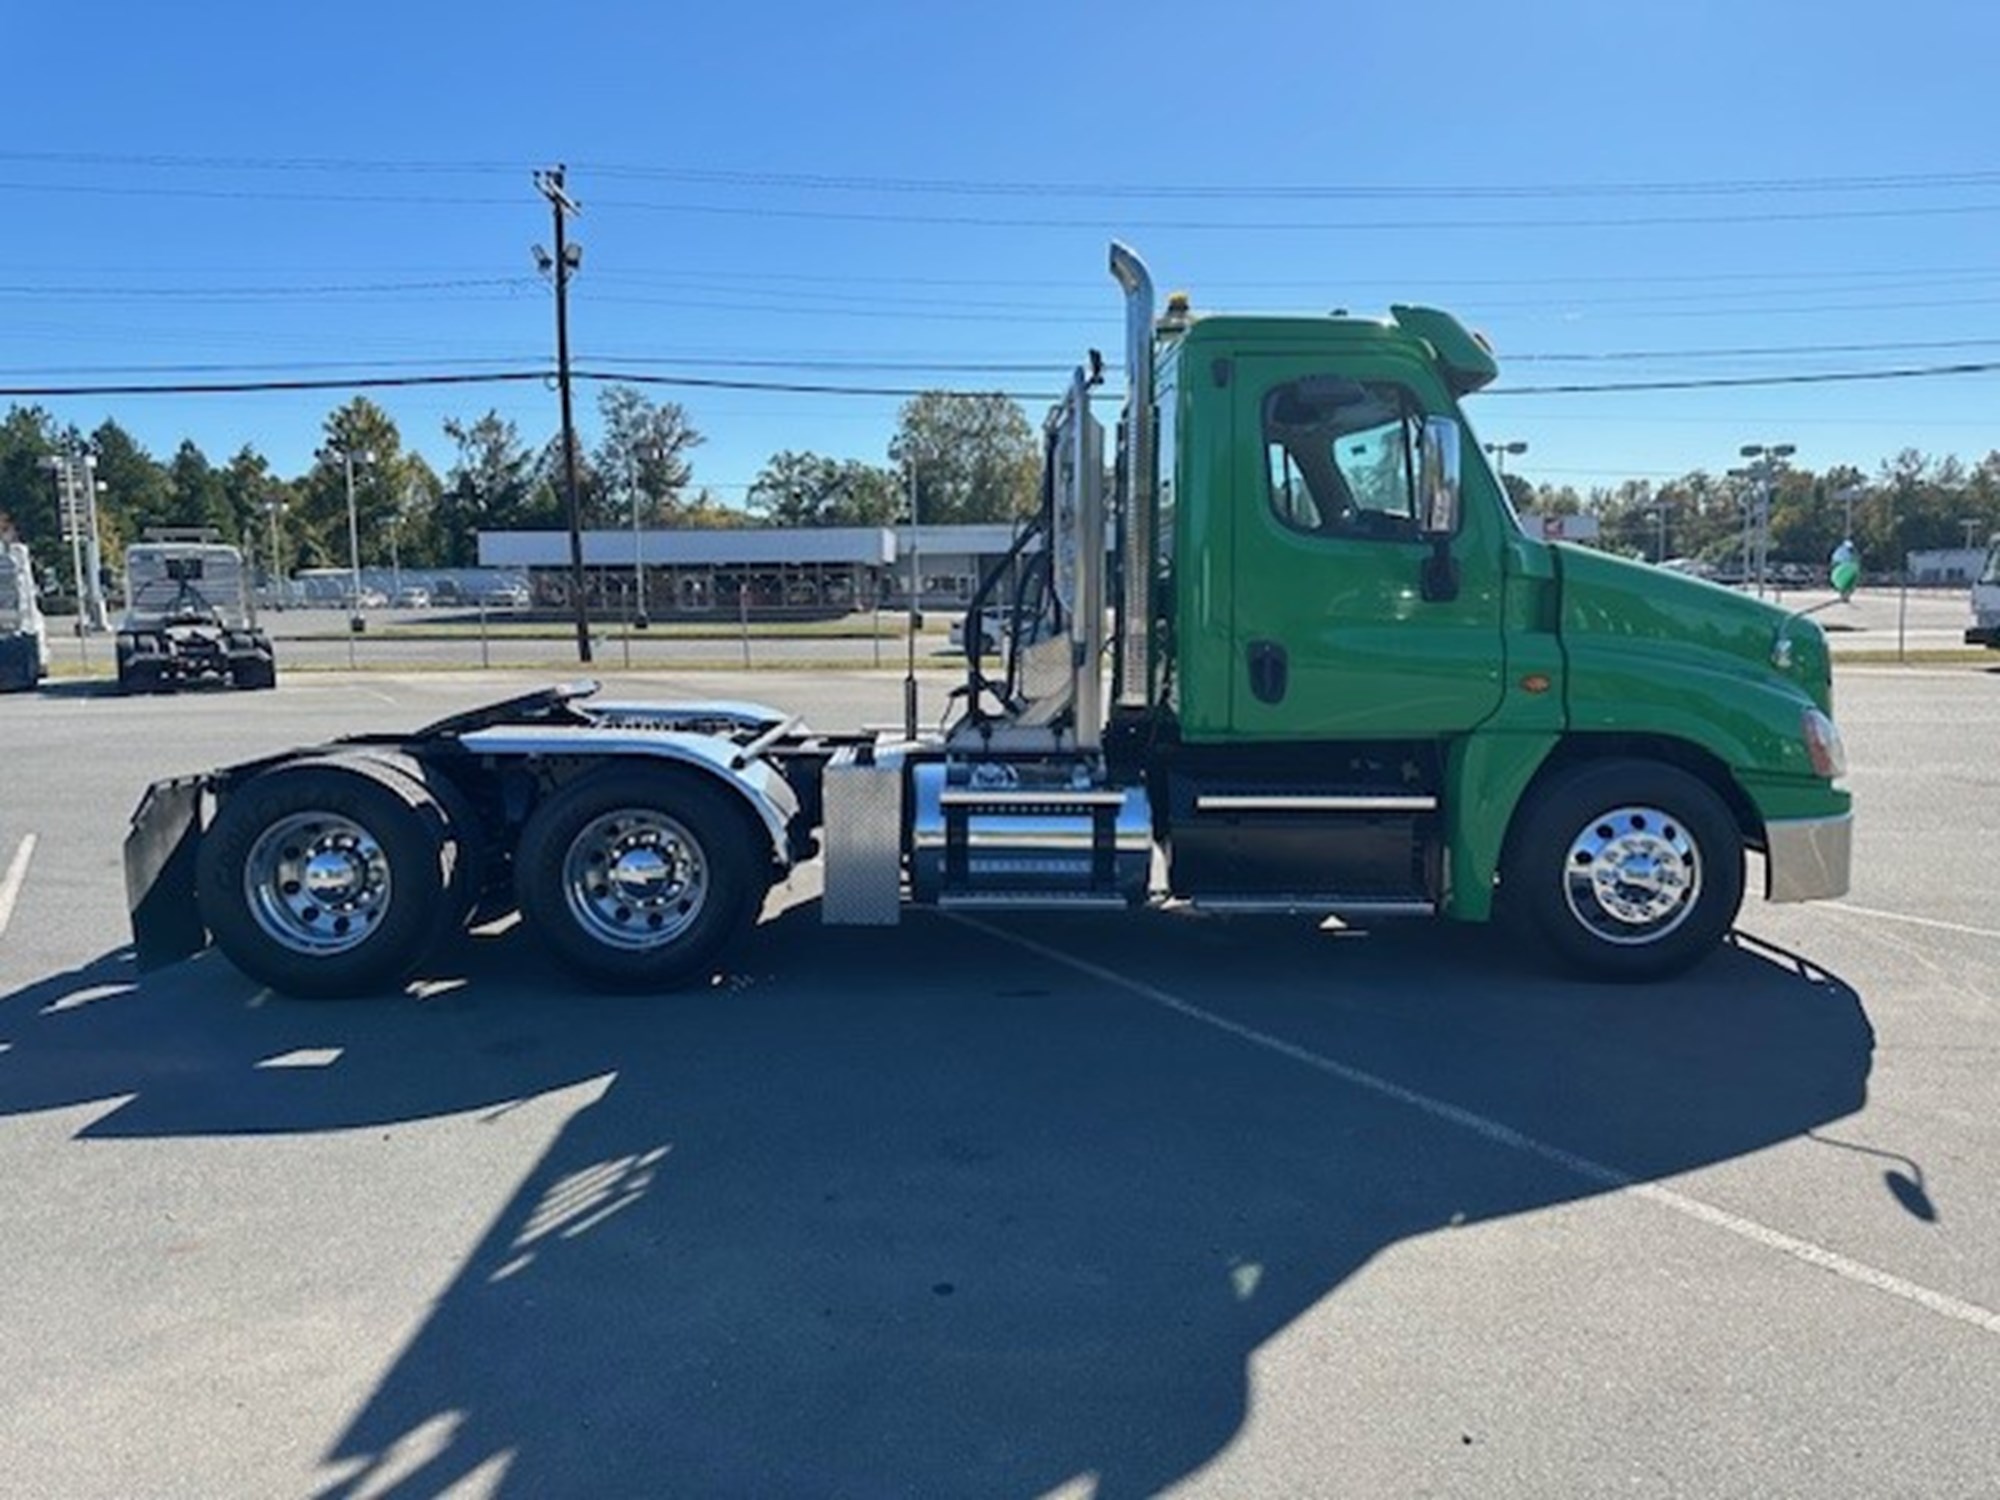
x: 640, y: 463
x: 974, y: 458
x: 28, y: 438
x: 490, y: 486
x: 136, y: 494
x: 706, y: 512
x: 383, y: 473
x: 809, y: 489
x: 196, y: 495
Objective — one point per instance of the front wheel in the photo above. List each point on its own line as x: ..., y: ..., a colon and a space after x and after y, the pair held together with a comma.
x: 638, y: 878
x: 1628, y: 870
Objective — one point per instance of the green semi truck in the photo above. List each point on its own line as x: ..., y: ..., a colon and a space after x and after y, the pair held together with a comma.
x: 1299, y: 656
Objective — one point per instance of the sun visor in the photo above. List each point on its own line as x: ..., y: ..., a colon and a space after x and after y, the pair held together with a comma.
x: 1465, y: 358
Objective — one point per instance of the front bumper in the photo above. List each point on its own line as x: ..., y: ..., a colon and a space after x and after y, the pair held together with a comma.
x: 1807, y: 859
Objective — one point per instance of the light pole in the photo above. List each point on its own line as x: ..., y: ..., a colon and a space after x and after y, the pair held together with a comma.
x: 93, y: 546
x: 1765, y: 459
x: 355, y: 624
x: 273, y: 508
x: 1658, y: 517
x: 916, y: 620
x: 1500, y: 452
x: 639, y: 621
x: 1847, y: 495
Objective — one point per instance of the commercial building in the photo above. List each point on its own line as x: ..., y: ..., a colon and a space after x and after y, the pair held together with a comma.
x: 756, y: 571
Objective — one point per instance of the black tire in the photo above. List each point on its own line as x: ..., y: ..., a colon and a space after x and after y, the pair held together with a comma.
x: 251, y: 673
x: 638, y: 877
x: 1626, y: 869
x: 468, y: 848
x: 20, y: 663
x: 378, y: 901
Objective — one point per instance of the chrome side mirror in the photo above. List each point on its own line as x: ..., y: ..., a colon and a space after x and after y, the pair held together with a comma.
x: 1438, y: 479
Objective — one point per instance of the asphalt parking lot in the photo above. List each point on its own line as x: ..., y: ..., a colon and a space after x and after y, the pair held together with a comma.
x: 1018, y: 1207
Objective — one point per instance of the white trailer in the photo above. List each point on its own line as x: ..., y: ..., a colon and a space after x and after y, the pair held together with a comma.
x: 24, y: 635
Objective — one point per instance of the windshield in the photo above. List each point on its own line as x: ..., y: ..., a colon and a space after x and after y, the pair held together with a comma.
x: 1991, y: 572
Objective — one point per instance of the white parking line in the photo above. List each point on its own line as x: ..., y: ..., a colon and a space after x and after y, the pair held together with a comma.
x: 1898, y: 916
x: 11, y: 882
x: 1941, y: 1303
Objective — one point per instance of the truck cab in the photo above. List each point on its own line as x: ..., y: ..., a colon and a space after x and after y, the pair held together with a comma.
x: 188, y: 618
x: 1349, y: 683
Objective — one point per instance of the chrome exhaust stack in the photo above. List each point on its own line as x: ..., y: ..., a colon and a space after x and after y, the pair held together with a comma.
x: 1134, y: 501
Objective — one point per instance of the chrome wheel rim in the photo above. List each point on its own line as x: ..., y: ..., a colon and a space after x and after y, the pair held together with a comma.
x: 317, y: 883
x: 1632, y: 876
x: 635, y: 879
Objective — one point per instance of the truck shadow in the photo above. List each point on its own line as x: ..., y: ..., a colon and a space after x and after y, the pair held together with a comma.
x: 933, y: 1212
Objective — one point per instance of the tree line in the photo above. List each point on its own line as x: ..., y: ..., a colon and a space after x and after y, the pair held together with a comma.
x: 967, y: 458
x: 1911, y: 503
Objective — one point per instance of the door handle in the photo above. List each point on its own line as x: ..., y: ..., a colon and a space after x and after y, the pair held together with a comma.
x: 1267, y: 671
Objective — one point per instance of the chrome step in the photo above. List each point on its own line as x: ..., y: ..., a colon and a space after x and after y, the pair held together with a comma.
x: 1030, y: 901
x: 1017, y: 798
x: 1307, y: 903
x: 1328, y: 802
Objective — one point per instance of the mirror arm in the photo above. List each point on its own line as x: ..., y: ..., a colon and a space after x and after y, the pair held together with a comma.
x: 1440, y: 575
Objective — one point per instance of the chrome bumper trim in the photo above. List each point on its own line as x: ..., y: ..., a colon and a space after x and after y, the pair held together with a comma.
x: 1807, y: 859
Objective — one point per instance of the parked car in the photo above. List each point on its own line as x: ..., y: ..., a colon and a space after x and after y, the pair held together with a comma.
x: 992, y: 630
x: 413, y: 596
x: 996, y: 624
x: 504, y: 596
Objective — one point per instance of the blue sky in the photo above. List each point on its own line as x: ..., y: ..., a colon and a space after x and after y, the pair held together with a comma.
x: 921, y: 195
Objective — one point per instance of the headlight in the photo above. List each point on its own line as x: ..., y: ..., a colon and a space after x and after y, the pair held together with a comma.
x: 1823, y: 746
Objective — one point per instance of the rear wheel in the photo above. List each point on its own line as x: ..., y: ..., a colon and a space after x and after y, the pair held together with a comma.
x: 328, y: 878
x: 1628, y: 869
x: 20, y: 662
x: 638, y: 878
x: 252, y: 672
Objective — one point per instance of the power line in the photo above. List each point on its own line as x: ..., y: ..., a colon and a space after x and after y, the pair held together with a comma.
x: 253, y: 293
x: 974, y: 187
x: 1124, y: 223
x: 244, y: 387
x: 805, y: 388
x: 1725, y: 382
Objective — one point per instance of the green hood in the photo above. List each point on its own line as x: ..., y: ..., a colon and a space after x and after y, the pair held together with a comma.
x: 1629, y: 608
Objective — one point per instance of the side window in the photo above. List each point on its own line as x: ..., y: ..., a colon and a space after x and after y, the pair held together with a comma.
x: 1341, y: 457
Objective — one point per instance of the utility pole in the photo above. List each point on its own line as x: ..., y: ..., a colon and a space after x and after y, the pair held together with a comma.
x: 566, y: 259
x: 69, y: 510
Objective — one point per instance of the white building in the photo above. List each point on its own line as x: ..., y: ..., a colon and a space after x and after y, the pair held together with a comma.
x: 754, y: 570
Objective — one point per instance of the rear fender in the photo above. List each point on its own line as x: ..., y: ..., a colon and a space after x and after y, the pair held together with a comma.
x: 755, y: 781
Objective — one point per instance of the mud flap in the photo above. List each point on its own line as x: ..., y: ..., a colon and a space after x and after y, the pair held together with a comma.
x: 159, y: 872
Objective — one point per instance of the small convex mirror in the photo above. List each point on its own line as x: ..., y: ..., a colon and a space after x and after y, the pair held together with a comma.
x: 1845, y: 570
x: 1437, y: 478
